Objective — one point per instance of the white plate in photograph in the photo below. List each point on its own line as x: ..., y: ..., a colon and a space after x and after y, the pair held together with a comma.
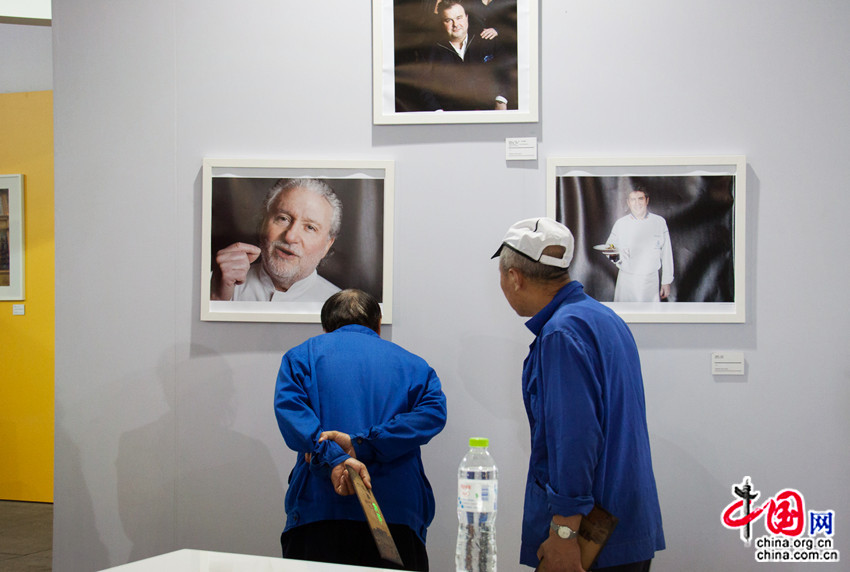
x: 606, y: 248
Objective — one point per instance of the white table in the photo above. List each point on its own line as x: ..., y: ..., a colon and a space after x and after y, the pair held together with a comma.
x: 203, y: 561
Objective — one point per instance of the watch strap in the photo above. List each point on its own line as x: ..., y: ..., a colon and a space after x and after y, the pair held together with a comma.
x: 563, y: 531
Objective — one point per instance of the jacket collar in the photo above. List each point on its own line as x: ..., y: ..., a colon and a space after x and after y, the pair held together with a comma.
x: 356, y: 328
x: 571, y: 292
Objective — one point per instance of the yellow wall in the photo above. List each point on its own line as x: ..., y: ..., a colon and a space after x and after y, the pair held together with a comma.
x: 27, y: 342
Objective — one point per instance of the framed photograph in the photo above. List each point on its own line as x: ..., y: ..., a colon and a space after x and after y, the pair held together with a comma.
x: 279, y: 237
x: 446, y: 61
x: 657, y: 239
x: 11, y: 237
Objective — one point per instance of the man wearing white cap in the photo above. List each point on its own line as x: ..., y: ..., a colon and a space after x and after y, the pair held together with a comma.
x: 583, y: 394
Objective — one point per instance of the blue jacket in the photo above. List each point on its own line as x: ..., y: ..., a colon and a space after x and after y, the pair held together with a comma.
x: 583, y: 394
x: 390, y: 402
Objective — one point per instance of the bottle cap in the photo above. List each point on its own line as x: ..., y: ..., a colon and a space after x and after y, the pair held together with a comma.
x: 479, y: 441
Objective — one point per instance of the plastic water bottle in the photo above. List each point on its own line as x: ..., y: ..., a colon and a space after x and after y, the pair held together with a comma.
x: 477, y: 493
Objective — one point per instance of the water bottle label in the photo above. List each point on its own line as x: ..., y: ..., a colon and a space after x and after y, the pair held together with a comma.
x: 476, y: 495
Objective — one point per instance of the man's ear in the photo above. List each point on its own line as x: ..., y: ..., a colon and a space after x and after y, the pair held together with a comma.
x: 515, y: 279
x: 328, y: 247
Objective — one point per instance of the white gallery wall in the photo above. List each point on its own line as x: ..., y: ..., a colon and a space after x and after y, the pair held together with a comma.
x: 26, y: 58
x: 165, y: 433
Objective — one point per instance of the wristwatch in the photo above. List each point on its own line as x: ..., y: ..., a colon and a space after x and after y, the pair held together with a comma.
x: 564, y: 532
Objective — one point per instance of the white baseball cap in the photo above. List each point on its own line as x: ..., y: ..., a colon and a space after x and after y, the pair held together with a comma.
x: 531, y: 236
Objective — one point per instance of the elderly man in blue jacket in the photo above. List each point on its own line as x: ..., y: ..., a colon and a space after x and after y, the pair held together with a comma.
x: 348, y: 397
x: 583, y: 394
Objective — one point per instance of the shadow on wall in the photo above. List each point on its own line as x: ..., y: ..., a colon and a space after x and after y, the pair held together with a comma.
x: 80, y: 542
x: 211, y: 487
x: 484, y: 360
x: 692, y: 500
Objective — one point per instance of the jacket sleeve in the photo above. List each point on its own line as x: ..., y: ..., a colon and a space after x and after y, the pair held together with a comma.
x: 405, y: 432
x: 571, y: 413
x: 298, y: 422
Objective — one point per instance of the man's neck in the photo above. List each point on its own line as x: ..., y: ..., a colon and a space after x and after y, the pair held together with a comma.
x: 284, y: 285
x: 541, y: 293
x: 458, y: 44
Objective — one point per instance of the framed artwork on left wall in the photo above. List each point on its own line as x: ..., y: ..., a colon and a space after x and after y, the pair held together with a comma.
x: 281, y: 236
x: 11, y: 237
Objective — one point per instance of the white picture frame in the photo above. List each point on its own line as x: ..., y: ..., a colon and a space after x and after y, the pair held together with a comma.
x: 12, y: 251
x: 703, y: 201
x: 395, y: 74
x: 361, y: 256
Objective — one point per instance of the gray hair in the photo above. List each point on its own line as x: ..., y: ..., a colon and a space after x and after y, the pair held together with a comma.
x: 531, y: 269
x: 351, y: 306
x: 317, y: 186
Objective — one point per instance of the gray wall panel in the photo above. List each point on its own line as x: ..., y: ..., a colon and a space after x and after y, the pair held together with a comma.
x: 165, y: 432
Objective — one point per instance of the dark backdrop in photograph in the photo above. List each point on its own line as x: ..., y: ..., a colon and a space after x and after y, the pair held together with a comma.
x: 699, y: 213
x: 416, y: 29
x: 356, y: 258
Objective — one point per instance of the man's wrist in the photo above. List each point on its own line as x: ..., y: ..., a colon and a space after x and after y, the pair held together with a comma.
x: 562, y: 531
x: 565, y: 527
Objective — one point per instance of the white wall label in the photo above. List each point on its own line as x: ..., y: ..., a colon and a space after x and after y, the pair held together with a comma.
x: 727, y: 363
x: 521, y: 148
